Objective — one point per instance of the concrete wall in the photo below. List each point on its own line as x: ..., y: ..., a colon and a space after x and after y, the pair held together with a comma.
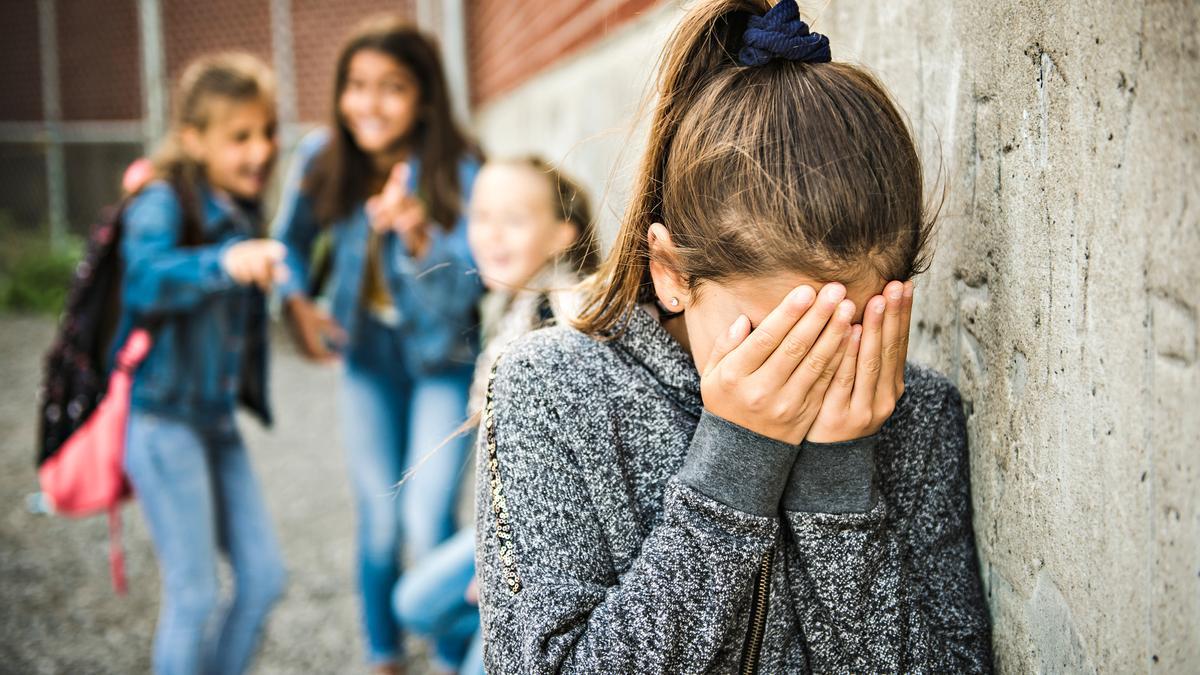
x: 586, y: 112
x: 1063, y: 298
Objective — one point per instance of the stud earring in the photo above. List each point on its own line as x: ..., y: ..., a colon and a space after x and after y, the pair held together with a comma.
x: 668, y: 312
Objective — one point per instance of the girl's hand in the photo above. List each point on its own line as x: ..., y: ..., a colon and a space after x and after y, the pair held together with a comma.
x: 256, y: 261
x: 395, y: 210
x: 772, y: 381
x: 313, y: 329
x: 472, y: 594
x: 870, y: 379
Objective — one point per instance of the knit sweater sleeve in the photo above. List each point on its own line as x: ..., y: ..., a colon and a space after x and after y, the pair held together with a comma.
x: 549, y: 599
x: 879, y: 586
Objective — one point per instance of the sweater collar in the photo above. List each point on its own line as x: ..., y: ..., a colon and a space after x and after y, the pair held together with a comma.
x: 642, y: 337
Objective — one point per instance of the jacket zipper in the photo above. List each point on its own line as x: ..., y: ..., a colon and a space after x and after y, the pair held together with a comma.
x: 758, y: 615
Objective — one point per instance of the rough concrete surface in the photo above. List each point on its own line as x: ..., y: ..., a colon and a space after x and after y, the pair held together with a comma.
x: 1063, y: 297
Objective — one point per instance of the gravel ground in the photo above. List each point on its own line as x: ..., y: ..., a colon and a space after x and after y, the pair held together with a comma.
x: 58, y: 613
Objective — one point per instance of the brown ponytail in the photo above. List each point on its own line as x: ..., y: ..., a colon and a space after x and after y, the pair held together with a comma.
x: 787, y: 166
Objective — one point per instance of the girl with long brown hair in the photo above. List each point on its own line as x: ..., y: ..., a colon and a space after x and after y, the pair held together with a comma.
x: 727, y: 464
x: 389, y: 181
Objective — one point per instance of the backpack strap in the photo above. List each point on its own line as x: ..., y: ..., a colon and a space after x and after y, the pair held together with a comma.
x: 116, y: 550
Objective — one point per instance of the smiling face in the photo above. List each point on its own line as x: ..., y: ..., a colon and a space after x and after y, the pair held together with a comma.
x: 379, y: 103
x: 237, y: 147
x: 513, y: 230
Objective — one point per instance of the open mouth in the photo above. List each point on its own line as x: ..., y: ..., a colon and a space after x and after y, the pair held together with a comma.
x: 371, y: 127
x: 256, y: 177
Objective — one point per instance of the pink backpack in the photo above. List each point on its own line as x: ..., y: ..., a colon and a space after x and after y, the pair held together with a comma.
x: 86, y: 475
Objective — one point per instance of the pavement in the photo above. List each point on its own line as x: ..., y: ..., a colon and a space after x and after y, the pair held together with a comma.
x: 58, y: 612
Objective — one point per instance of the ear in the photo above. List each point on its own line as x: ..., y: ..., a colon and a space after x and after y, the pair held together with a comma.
x: 565, y: 236
x: 668, y: 283
x: 190, y: 141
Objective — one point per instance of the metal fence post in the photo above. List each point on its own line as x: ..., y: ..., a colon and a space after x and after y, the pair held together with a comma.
x: 154, y: 87
x: 56, y: 172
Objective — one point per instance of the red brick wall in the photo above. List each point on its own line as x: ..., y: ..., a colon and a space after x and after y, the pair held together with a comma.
x: 509, y: 41
x: 99, y: 56
x: 20, y: 67
x: 194, y: 27
x: 99, y: 59
x: 319, y: 28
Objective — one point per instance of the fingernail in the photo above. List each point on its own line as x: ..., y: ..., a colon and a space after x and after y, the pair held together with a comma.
x: 856, y: 332
x: 894, y: 291
x: 834, y: 292
x: 908, y: 289
x: 877, y: 305
x: 737, y: 326
x: 846, y: 310
x: 803, y: 294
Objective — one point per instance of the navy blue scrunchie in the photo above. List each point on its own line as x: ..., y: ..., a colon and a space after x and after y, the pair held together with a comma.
x: 781, y: 34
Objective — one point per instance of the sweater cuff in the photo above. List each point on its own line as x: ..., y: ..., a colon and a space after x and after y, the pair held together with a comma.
x: 737, y: 467
x: 833, y: 477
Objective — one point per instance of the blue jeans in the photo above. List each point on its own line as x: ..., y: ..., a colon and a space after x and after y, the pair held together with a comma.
x: 431, y: 602
x: 393, y: 423
x: 199, y: 495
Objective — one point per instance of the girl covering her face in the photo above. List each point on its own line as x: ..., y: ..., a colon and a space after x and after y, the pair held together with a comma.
x: 726, y: 465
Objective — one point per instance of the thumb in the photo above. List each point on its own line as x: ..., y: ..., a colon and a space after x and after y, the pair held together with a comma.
x: 274, y: 250
x: 727, y: 342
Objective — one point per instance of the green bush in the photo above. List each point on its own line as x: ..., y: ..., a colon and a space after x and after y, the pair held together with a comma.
x: 34, y: 276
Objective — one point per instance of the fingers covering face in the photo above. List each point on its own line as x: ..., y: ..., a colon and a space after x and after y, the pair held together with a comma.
x: 841, y: 387
x: 799, y: 345
x: 766, y: 338
x: 818, y: 366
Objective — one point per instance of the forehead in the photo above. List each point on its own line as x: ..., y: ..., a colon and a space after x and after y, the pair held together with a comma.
x: 511, y: 180
x: 756, y: 297
x: 374, y: 63
x: 225, y: 112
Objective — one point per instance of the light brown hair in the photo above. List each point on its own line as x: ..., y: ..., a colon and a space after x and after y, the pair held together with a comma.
x: 786, y: 167
x: 226, y: 76
x: 343, y: 173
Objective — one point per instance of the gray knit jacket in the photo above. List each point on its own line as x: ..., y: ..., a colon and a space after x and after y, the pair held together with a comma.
x: 622, y: 529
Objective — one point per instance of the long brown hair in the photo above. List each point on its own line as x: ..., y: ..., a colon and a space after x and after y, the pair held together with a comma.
x: 342, y: 173
x: 799, y: 167
x: 228, y: 76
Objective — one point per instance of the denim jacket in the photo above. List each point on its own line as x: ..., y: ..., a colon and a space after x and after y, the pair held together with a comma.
x: 210, y: 346
x: 435, y: 296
